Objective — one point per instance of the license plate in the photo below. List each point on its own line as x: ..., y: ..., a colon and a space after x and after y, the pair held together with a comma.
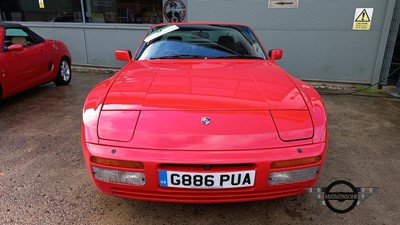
x: 206, y: 180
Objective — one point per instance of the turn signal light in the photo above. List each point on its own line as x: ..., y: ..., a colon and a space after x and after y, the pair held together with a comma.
x: 117, y: 163
x: 295, y: 162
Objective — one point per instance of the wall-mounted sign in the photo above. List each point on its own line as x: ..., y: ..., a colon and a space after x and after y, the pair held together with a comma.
x: 41, y: 4
x: 283, y: 4
x: 363, y: 18
x: 174, y: 10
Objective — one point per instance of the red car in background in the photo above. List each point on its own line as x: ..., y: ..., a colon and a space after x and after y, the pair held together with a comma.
x: 201, y: 114
x: 27, y: 60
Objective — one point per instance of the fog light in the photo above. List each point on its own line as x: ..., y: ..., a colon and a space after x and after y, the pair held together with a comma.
x: 118, y: 176
x: 291, y: 176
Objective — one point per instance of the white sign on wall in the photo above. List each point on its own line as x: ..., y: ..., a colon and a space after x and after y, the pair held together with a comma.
x: 283, y: 4
x: 174, y: 10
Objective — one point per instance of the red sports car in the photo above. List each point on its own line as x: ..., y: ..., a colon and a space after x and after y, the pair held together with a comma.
x: 201, y: 114
x: 28, y: 60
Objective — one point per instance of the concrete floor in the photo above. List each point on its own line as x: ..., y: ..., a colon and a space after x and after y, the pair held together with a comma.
x: 43, y: 179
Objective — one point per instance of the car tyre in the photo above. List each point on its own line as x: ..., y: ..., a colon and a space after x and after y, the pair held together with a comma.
x: 64, y: 72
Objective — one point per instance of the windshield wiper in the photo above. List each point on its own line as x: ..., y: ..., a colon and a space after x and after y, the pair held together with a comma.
x: 182, y: 56
x: 238, y: 56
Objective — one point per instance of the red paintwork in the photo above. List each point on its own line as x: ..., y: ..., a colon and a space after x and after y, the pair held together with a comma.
x: 123, y: 55
x: 300, y: 127
x: 259, y: 114
x: 110, y: 126
x: 275, y: 54
x: 21, y: 70
x: 203, y: 84
x: 15, y: 48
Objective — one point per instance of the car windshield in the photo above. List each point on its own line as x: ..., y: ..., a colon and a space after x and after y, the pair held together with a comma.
x: 188, y: 41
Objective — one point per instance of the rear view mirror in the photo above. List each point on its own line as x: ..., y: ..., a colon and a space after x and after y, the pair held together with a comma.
x: 275, y: 54
x: 200, y: 34
x: 123, y: 55
x: 15, y: 48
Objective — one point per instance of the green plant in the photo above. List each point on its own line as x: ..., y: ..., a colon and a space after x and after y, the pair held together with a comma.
x: 367, y: 89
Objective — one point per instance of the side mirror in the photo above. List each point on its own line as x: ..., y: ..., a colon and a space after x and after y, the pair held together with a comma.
x: 15, y: 48
x: 275, y: 54
x: 123, y: 55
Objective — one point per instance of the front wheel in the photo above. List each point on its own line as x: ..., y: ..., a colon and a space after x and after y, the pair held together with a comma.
x: 64, y: 73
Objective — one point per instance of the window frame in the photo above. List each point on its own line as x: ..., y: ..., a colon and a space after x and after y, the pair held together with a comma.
x: 34, y: 38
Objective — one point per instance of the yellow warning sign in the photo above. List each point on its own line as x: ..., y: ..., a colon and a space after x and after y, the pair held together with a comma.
x: 363, y: 18
x: 41, y: 4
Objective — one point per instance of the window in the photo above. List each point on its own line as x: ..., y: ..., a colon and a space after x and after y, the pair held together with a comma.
x: 191, y: 41
x: 20, y: 36
x: 124, y: 11
x: 96, y: 11
x: 47, y: 11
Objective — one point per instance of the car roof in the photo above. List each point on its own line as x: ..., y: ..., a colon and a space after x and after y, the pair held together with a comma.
x: 35, y: 36
x: 11, y: 25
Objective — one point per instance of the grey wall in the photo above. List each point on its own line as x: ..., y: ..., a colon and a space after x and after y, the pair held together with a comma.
x: 317, y: 37
x: 92, y: 44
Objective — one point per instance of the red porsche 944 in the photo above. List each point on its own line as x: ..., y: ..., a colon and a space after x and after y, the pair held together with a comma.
x: 28, y: 60
x: 202, y: 114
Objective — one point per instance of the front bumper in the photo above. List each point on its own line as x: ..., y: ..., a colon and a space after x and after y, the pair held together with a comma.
x: 195, y: 161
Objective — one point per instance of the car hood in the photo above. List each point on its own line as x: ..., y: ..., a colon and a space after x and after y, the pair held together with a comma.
x: 251, y: 104
x: 203, y: 85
